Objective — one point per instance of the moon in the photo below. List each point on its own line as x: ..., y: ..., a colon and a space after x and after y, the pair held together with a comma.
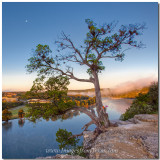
x: 26, y: 21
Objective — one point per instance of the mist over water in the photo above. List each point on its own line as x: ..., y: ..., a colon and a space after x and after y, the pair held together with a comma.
x: 132, y: 85
x: 121, y: 88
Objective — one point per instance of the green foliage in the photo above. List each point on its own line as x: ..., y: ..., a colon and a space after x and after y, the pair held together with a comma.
x: 101, y: 37
x: 102, y: 123
x: 15, y: 111
x: 153, y: 95
x: 11, y: 104
x: 6, y: 115
x: 70, y: 143
x: 40, y: 57
x: 78, y: 151
x: 47, y: 110
x: 65, y: 140
x: 55, y: 90
x: 143, y: 103
x: 21, y: 113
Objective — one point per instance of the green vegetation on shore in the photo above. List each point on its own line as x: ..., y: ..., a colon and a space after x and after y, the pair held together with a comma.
x: 131, y: 94
x: 49, y: 110
x: 6, y: 115
x: 10, y: 105
x: 15, y: 111
x: 144, y: 103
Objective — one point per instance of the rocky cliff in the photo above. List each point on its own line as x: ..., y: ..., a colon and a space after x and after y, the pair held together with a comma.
x: 136, y: 138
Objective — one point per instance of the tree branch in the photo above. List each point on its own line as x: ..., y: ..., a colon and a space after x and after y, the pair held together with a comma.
x: 85, y: 127
x: 70, y: 75
x: 90, y: 114
x: 75, y: 135
x: 65, y: 37
x: 81, y: 80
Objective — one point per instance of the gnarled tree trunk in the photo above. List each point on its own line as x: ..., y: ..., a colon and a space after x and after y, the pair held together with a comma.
x: 102, y: 115
x: 101, y: 120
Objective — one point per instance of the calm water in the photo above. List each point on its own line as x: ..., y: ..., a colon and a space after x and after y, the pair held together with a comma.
x: 26, y: 140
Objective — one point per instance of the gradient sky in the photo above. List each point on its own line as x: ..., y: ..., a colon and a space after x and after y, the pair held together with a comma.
x: 24, y: 25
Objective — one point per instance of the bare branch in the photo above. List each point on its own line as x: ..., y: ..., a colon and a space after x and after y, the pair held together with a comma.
x: 84, y: 110
x: 71, y: 45
x: 81, y: 80
x: 75, y: 135
x: 68, y: 73
x: 85, y: 127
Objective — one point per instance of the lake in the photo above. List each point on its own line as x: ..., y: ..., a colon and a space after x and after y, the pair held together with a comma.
x: 23, y: 139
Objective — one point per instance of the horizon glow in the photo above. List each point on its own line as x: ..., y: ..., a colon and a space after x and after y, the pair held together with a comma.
x: 24, y: 26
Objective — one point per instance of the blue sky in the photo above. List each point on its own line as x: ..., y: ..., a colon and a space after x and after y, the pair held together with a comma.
x: 45, y: 21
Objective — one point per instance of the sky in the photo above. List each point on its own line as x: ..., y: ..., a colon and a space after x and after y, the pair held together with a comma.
x: 25, y: 25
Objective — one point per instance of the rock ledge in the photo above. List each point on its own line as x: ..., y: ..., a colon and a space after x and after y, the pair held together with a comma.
x: 136, y: 138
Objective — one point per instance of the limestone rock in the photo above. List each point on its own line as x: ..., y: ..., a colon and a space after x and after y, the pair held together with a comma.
x: 88, y: 136
x: 133, y: 139
x: 147, y: 117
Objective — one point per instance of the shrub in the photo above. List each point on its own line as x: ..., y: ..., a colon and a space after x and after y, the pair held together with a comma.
x: 21, y: 113
x: 6, y: 115
x: 64, y: 140
x: 70, y: 143
x: 143, y: 103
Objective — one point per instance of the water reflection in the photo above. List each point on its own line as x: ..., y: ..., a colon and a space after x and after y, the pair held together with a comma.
x: 23, y: 139
x: 21, y: 122
x: 67, y: 115
x: 7, y: 125
x: 119, y: 105
x: 115, y: 108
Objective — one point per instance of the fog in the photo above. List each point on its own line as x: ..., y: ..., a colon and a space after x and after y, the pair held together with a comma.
x: 121, y: 88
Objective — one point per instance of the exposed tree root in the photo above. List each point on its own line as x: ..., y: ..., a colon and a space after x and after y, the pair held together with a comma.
x: 100, y: 127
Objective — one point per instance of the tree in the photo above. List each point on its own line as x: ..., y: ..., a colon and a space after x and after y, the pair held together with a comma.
x: 6, y: 115
x: 21, y: 113
x: 62, y: 138
x: 153, y: 95
x: 100, y: 43
x: 54, y: 89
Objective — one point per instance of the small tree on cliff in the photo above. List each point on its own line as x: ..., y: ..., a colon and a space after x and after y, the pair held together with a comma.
x: 100, y: 43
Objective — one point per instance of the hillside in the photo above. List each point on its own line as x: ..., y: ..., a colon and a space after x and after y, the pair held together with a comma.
x: 106, y: 92
x: 130, y: 94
